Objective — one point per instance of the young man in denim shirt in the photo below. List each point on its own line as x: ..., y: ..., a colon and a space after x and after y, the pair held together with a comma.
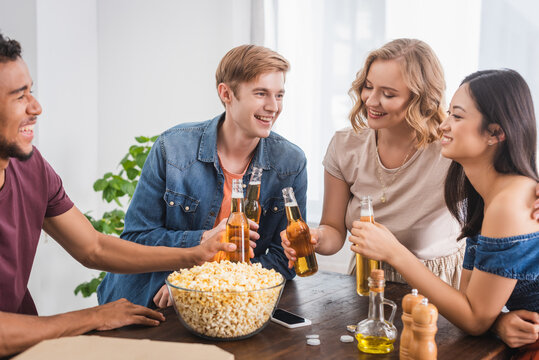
x: 183, y: 196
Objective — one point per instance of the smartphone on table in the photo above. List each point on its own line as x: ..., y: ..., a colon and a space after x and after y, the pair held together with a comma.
x: 289, y: 320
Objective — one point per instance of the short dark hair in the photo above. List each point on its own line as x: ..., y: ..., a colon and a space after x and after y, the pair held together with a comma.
x: 10, y: 50
x: 503, y: 98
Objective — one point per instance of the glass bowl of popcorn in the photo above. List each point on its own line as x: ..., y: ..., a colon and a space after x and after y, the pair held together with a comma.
x: 224, y: 300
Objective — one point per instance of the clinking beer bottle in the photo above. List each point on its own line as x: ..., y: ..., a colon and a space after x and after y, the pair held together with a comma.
x: 299, y: 236
x: 237, y: 226
x: 365, y: 266
x: 252, y: 205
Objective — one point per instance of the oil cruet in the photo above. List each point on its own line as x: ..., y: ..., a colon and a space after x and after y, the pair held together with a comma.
x: 375, y: 335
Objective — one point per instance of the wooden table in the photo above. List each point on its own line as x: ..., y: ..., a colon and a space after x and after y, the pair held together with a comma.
x: 329, y: 300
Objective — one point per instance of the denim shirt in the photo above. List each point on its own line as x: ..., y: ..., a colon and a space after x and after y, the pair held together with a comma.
x: 515, y: 257
x: 180, y: 192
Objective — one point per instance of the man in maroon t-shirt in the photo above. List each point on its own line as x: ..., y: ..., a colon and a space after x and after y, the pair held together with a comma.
x: 31, y: 199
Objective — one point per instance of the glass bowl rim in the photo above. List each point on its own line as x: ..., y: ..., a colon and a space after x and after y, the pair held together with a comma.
x: 283, y: 281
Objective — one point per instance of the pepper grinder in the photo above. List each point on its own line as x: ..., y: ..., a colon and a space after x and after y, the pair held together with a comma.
x: 408, y: 303
x: 425, y: 317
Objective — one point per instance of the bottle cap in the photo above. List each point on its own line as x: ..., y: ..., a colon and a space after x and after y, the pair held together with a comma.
x: 411, y: 300
x: 425, y: 313
x: 377, y: 274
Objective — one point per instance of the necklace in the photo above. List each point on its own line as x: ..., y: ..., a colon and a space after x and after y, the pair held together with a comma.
x: 383, y: 197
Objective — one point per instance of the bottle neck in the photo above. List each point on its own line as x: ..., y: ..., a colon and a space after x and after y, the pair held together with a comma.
x: 366, y: 213
x: 376, y: 306
x: 292, y: 212
x: 253, y: 191
x: 236, y: 205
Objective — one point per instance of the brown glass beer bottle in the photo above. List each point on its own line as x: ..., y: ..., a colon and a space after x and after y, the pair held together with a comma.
x: 237, y: 226
x: 365, y: 266
x: 252, y: 205
x: 299, y: 236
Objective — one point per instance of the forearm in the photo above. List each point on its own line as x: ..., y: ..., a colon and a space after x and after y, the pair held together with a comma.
x: 330, y: 240
x: 454, y: 305
x: 161, y: 236
x: 19, y: 332
x: 121, y: 256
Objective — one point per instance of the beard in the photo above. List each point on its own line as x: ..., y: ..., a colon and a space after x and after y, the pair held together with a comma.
x: 11, y: 150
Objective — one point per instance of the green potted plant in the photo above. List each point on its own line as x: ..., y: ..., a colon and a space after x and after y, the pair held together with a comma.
x: 117, y: 187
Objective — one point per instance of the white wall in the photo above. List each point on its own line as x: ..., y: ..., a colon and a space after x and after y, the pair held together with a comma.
x: 157, y: 62
x: 509, y: 39
x: 451, y: 28
x: 66, y: 76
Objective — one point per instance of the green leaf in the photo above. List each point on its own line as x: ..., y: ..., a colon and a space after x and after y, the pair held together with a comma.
x: 125, y: 158
x: 88, y: 288
x: 107, y: 175
x: 154, y: 138
x: 132, y: 173
x: 128, y: 164
x: 100, y: 185
x: 117, y: 213
x: 142, y: 139
x: 128, y: 188
x: 109, y: 194
x: 117, y: 201
x: 135, y: 150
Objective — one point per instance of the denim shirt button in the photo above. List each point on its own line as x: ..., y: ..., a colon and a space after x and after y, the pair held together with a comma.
x: 212, y: 213
x: 187, y: 208
x: 171, y: 203
x: 244, y: 186
x: 275, y: 208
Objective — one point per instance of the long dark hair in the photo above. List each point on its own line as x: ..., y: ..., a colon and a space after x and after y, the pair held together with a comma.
x: 503, y: 98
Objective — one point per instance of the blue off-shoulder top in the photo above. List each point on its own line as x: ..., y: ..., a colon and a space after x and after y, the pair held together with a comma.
x: 515, y: 257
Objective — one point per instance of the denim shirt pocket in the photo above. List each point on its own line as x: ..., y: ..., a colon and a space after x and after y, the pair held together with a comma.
x: 181, y: 210
x: 273, y: 206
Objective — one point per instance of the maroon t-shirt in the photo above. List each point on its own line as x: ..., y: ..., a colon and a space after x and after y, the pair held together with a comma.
x: 31, y: 192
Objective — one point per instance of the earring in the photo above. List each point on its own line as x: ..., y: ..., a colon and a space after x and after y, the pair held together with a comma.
x: 490, y: 142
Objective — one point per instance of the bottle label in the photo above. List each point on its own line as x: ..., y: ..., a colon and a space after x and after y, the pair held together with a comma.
x: 237, y: 194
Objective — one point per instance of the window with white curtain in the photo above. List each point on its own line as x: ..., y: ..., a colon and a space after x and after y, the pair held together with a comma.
x: 326, y: 42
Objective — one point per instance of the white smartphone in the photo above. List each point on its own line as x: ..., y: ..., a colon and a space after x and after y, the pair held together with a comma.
x: 289, y: 320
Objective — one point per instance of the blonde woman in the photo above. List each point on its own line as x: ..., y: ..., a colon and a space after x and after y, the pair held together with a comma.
x: 392, y: 154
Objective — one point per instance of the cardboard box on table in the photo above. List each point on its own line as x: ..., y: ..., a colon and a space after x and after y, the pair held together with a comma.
x: 101, y: 348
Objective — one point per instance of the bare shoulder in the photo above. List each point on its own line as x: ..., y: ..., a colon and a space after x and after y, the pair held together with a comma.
x: 509, y: 212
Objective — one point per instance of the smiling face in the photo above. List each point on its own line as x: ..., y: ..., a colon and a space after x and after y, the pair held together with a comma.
x: 18, y: 110
x: 462, y: 136
x: 385, y: 94
x: 256, y: 105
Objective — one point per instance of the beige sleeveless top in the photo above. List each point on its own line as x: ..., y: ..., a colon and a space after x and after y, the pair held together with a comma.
x: 415, y: 210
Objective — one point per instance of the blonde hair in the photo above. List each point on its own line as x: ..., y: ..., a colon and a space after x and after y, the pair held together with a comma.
x: 424, y: 77
x: 245, y: 63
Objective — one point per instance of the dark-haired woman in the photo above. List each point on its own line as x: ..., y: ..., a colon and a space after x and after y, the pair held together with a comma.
x: 490, y: 134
